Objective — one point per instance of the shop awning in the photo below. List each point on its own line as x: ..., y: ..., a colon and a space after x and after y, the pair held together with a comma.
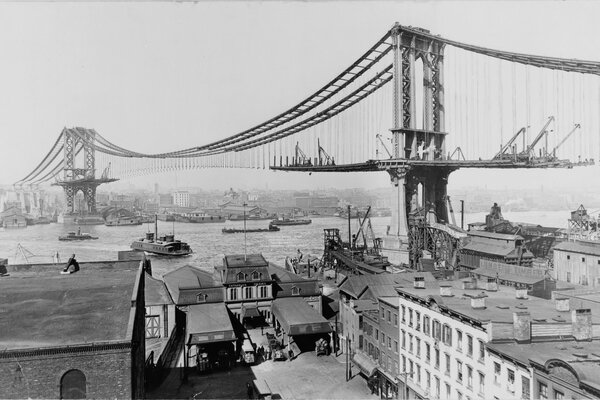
x: 364, y: 363
x: 250, y: 311
x: 209, y: 323
x: 297, y: 317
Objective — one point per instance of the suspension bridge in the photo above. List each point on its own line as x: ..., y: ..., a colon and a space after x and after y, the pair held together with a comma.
x: 416, y: 105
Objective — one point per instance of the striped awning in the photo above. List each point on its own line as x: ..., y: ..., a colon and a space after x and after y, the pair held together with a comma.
x: 364, y: 363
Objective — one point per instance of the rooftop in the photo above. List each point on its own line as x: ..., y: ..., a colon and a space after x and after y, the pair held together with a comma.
x: 155, y: 292
x: 357, y: 285
x: 41, y: 307
x: 582, y: 247
x: 494, y: 235
x: 240, y: 260
x: 499, y: 305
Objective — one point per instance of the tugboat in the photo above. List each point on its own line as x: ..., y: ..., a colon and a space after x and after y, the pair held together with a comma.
x: 290, y: 221
x: 164, y: 245
x: 70, y: 236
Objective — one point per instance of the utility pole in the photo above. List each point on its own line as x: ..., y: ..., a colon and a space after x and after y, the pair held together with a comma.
x: 462, y: 214
x: 245, y: 252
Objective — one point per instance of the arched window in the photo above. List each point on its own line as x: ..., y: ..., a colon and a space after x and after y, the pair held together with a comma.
x: 295, y: 291
x: 255, y: 276
x: 72, y: 385
x: 241, y: 276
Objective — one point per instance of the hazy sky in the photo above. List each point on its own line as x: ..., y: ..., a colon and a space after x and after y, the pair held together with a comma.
x: 155, y: 77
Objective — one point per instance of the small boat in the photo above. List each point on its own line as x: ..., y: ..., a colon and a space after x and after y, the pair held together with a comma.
x: 164, y: 245
x: 290, y: 221
x: 271, y: 228
x: 70, y: 236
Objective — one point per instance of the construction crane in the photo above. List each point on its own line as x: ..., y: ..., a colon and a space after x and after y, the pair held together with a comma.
x: 323, y: 155
x: 553, y: 152
x: 502, y: 153
x: 528, y: 153
x: 378, y: 136
x: 301, y: 158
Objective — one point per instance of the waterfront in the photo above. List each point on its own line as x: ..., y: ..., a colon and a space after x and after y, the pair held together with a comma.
x: 207, y: 241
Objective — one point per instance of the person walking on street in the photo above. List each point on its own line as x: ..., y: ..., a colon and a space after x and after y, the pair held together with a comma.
x: 250, y: 390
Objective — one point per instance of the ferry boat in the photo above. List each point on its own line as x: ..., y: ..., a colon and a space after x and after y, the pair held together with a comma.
x: 271, y: 228
x: 290, y: 221
x: 162, y: 245
x: 70, y: 236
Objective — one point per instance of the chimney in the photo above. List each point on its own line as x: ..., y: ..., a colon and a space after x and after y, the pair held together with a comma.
x: 521, y: 293
x: 522, y: 326
x: 491, y: 285
x: 419, y: 282
x: 446, y: 290
x: 582, y: 324
x: 469, y: 284
x: 562, y: 304
x: 478, y: 301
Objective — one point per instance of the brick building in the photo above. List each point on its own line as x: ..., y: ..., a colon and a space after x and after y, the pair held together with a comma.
x: 73, y: 336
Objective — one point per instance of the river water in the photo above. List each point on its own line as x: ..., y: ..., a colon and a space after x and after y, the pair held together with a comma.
x: 40, y: 242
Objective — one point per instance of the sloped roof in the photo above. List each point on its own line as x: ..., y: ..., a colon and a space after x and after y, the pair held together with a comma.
x: 494, y: 235
x: 188, y: 277
x: 156, y: 292
x: 490, y: 248
x: 356, y: 286
x: 297, y: 317
x: 581, y: 247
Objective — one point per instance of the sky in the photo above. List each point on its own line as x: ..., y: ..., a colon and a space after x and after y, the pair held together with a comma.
x: 161, y: 76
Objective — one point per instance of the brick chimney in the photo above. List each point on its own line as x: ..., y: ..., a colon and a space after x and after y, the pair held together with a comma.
x: 419, y: 282
x: 491, y: 285
x: 478, y: 301
x: 446, y: 290
x: 469, y: 284
x: 581, y: 320
x: 562, y: 304
x: 522, y: 326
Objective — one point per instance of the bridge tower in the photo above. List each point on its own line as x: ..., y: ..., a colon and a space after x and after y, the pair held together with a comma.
x: 80, y: 179
x: 426, y: 142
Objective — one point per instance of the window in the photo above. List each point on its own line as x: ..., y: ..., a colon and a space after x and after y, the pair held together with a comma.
x: 497, y: 371
x: 447, y: 335
x: 410, y: 317
x: 568, y: 257
x: 383, y: 338
x: 558, y: 395
x: 470, y: 345
x: 481, y: 383
x: 233, y: 294
x: 427, y: 352
x: 376, y: 334
x: 459, y: 374
x: 481, y: 351
x: 418, y: 347
x: 582, y: 259
x: 396, y: 346
x: 381, y: 313
x: 410, y: 343
x: 437, y: 387
x: 543, y: 390
x: 427, y: 380
x: 426, y: 325
x: 201, y: 298
x: 412, y: 368
x: 73, y: 385
x: 447, y: 364
x: 264, y: 291
x: 403, y: 314
x: 418, y: 320
x: 447, y: 391
x: 152, y: 326
x: 458, y: 395
x: 248, y: 292
x: 418, y: 373
x: 241, y: 276
x: 395, y: 319
x: 389, y: 316
x: 388, y: 366
x: 511, y: 380
x: 437, y: 358
x: 403, y: 339
x: 568, y: 277
x: 469, y: 376
x: 403, y: 364
x: 255, y: 276
x: 437, y: 331
x: 295, y: 291
x: 395, y: 370
x: 389, y: 343
x: 525, y: 384
x: 459, y: 340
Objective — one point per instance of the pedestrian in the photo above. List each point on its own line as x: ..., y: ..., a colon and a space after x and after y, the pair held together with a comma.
x: 250, y: 390
x: 291, y: 354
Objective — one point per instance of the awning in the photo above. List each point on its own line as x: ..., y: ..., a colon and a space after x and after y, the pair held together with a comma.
x: 297, y: 317
x: 209, y: 323
x: 364, y: 363
x: 250, y: 311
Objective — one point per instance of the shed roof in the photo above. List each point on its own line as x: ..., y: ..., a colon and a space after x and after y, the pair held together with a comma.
x: 582, y: 247
x: 297, y: 317
x: 155, y: 292
x: 209, y: 323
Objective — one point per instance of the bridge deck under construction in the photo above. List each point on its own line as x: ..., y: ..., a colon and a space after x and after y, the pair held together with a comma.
x: 355, y: 265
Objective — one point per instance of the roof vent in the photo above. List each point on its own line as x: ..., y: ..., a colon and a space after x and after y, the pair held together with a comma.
x: 521, y: 307
x: 478, y: 301
x: 539, y: 319
x: 446, y: 290
x: 502, y: 306
x: 580, y: 355
x: 562, y: 304
x: 558, y: 318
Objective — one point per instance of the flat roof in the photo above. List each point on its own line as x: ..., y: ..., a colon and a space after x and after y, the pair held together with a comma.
x: 579, y: 247
x: 209, y: 323
x: 500, y: 304
x: 41, y: 307
x: 239, y: 260
x: 297, y: 317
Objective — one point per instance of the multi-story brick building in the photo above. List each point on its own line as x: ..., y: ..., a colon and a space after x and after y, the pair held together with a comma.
x: 73, y: 336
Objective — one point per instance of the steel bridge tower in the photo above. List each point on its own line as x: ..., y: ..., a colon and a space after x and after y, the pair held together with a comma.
x: 80, y: 179
x: 408, y: 47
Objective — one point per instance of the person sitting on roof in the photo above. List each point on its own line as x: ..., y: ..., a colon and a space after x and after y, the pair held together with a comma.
x: 72, y: 266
